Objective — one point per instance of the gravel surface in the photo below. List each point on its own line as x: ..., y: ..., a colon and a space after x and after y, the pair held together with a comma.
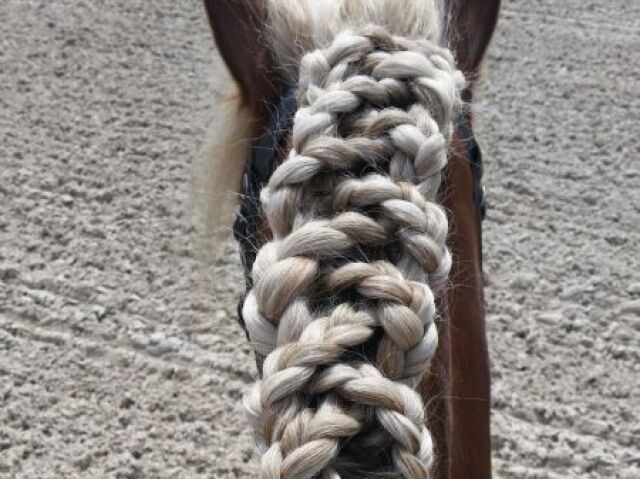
x: 120, y: 358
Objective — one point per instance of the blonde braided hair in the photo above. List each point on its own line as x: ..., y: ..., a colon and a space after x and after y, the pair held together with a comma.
x: 342, y: 311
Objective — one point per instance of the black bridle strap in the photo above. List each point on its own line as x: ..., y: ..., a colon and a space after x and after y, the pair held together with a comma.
x: 474, y: 156
x: 259, y: 167
x: 263, y: 148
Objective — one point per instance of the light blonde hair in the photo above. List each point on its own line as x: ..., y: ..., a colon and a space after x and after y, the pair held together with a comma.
x: 342, y: 310
x: 217, y: 175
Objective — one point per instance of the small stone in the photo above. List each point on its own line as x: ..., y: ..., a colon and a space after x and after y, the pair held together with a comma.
x: 550, y: 318
x: 634, y: 289
x: 139, y: 340
x: 83, y: 462
x: 8, y: 272
x: 66, y: 200
x: 157, y: 338
x: 104, y: 196
x: 42, y: 297
x: 163, y: 346
x: 559, y: 459
x: 99, y: 312
x: 630, y: 307
x: 182, y: 374
x: 632, y: 472
x: 575, y: 293
x: 593, y: 427
x: 524, y: 281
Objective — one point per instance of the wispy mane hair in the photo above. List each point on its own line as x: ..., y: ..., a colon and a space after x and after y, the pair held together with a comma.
x: 298, y: 26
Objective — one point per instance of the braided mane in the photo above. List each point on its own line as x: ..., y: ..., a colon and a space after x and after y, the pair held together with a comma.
x: 341, y: 314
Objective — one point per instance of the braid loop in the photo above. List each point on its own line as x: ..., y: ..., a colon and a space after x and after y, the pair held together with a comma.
x: 342, y: 310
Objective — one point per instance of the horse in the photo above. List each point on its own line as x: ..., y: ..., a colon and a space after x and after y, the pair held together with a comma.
x: 350, y: 141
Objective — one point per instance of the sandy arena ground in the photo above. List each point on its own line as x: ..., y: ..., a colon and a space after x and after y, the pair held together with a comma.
x: 114, y: 364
